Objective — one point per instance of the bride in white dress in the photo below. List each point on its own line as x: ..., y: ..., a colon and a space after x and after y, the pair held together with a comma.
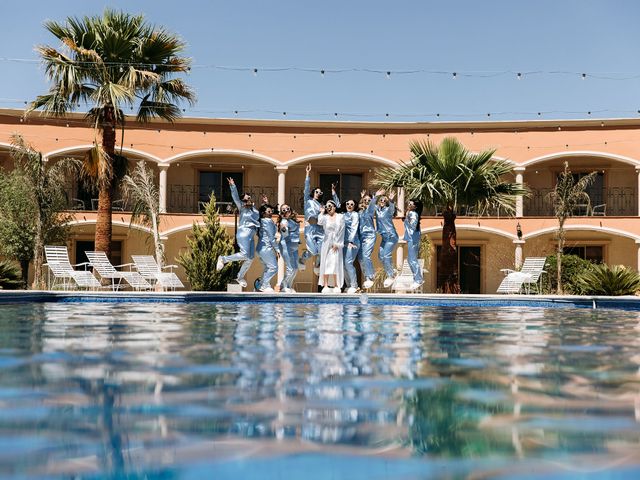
x: 331, y: 262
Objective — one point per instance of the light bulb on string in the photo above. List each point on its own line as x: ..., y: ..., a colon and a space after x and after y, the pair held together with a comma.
x: 519, y: 76
x: 255, y: 72
x: 584, y: 76
x: 322, y: 73
x: 388, y: 75
x: 454, y: 75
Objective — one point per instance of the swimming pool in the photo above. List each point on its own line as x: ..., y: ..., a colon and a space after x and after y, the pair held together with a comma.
x: 321, y: 390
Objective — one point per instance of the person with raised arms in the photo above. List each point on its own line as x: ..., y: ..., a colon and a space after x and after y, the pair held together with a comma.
x: 267, y: 248
x: 385, y: 210
x: 313, y: 233
x: 367, y: 231
x: 289, y: 229
x: 412, y: 237
x: 248, y: 224
x: 351, y: 245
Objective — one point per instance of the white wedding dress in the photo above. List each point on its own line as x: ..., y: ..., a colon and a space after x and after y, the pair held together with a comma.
x: 331, y: 261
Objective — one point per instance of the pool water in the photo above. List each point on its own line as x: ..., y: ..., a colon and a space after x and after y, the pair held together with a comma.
x: 272, y: 390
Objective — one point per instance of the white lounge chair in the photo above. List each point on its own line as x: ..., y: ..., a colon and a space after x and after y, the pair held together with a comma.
x: 149, y: 269
x: 403, y: 282
x: 513, y: 282
x: 104, y: 268
x: 60, y: 268
x: 533, y: 267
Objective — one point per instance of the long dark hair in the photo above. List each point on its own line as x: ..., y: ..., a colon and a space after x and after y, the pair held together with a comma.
x: 419, y: 207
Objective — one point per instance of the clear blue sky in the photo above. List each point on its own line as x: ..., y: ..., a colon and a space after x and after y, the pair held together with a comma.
x: 458, y: 35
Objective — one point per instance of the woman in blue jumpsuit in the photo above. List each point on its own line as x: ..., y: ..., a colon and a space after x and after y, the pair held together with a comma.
x: 248, y: 225
x: 412, y: 237
x: 367, y: 232
x: 351, y: 245
x: 289, y: 242
x: 385, y: 210
x: 313, y: 233
x: 267, y: 248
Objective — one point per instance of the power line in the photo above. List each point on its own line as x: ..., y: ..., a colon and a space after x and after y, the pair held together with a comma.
x: 388, y: 73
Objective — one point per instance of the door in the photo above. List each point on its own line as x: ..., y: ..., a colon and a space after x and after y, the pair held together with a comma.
x: 89, y: 246
x: 349, y: 185
x: 469, y: 273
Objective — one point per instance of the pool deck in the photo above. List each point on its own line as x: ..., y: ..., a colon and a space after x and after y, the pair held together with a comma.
x: 430, y: 299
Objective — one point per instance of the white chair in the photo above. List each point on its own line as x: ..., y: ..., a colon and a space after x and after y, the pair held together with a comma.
x: 533, y: 267
x: 403, y: 282
x: 104, y: 268
x: 60, y: 268
x: 149, y: 269
x: 513, y: 282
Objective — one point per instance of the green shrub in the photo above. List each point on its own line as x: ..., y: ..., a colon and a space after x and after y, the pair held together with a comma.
x: 10, y: 276
x: 572, y: 267
x: 609, y: 280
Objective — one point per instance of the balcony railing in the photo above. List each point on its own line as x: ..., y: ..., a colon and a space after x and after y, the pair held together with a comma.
x: 613, y: 201
x: 118, y: 204
x: 187, y: 198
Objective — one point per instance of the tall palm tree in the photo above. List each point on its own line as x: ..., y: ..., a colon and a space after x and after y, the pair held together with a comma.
x: 110, y: 61
x: 565, y: 198
x: 141, y: 191
x: 449, y: 177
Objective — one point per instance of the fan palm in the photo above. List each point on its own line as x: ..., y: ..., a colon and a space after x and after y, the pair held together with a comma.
x: 565, y: 198
x: 449, y: 177
x: 141, y: 191
x: 111, y: 61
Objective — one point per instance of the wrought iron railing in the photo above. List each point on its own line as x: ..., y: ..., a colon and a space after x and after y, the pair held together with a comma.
x: 612, y: 201
x: 118, y: 203
x: 189, y: 199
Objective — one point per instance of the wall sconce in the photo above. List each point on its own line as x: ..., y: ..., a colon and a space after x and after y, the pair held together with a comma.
x: 519, y: 231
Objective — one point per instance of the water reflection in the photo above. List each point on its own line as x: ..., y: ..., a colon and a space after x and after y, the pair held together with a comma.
x: 131, y: 389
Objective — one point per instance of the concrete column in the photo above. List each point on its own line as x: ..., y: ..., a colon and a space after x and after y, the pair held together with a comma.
x: 519, y: 200
x: 281, y: 270
x: 162, y: 187
x: 518, y: 253
x: 400, y: 255
x: 638, y: 261
x: 638, y: 190
x: 400, y: 203
x: 282, y: 174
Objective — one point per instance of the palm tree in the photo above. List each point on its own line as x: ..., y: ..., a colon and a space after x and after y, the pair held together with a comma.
x: 141, y: 191
x: 565, y: 198
x: 110, y: 61
x: 449, y: 177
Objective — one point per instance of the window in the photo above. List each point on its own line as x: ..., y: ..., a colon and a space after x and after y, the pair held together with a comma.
x: 349, y: 185
x: 596, y: 189
x: 217, y: 183
x: 593, y: 253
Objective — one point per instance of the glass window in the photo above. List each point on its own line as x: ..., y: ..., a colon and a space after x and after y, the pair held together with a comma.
x: 349, y: 185
x: 593, y: 253
x: 217, y: 183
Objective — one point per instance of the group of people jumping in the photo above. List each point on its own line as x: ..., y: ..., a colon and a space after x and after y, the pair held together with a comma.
x: 334, y: 240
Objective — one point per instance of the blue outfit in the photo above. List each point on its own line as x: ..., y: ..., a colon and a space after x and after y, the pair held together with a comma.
x: 388, y: 234
x: 267, y: 249
x: 367, y: 239
x: 248, y: 224
x: 313, y: 234
x: 412, y: 237
x: 289, y: 242
x: 351, y: 236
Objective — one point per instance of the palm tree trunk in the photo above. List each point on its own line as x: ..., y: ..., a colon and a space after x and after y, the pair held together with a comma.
x: 105, y: 189
x: 448, y: 271
x: 38, y: 255
x: 157, y: 241
x: 24, y: 268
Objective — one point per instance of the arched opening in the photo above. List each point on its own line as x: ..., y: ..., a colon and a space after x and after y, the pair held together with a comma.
x: 613, y: 193
x: 81, y: 196
x: 352, y: 172
x: 193, y: 176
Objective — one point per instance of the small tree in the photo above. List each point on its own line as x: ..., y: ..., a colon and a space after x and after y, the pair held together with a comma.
x: 36, y: 194
x: 565, y: 198
x: 141, y: 191
x: 205, y: 245
x: 10, y: 276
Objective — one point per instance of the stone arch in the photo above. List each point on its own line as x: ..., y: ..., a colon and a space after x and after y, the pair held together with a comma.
x: 119, y: 223
x: 580, y: 153
x: 492, y: 230
x: 218, y: 152
x: 83, y: 148
x: 347, y: 155
x: 590, y: 228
